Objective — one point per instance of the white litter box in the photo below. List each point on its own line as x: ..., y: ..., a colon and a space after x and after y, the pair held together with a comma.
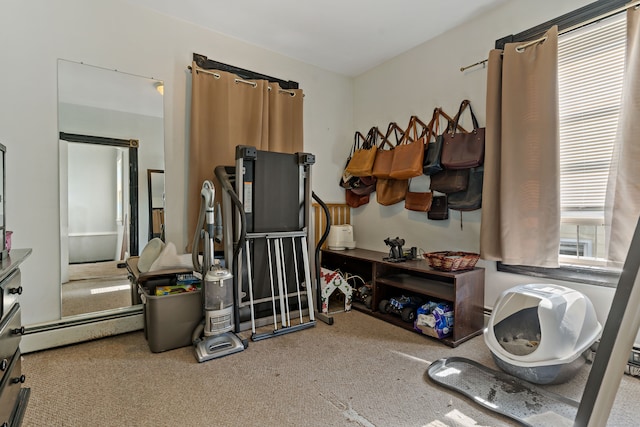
x: 542, y: 332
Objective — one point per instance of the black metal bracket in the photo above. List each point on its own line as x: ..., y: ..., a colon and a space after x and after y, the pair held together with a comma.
x: 306, y: 159
x: 567, y: 20
x: 209, y: 64
x: 246, y: 152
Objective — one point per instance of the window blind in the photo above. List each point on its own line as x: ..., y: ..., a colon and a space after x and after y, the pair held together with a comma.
x: 590, y: 75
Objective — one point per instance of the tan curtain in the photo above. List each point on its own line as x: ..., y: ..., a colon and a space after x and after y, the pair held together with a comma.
x: 285, y: 120
x: 227, y: 111
x: 521, y: 192
x: 622, y: 205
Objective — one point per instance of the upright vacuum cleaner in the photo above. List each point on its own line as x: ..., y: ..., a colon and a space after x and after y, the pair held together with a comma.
x: 214, y: 337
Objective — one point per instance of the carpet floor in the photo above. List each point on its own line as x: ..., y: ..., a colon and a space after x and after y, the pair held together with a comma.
x: 95, y: 287
x: 360, y: 371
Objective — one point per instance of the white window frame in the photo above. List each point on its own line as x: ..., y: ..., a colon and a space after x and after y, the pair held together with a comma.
x: 579, y: 113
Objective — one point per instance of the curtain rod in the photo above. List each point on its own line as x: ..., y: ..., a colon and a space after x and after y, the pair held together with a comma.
x: 254, y: 84
x: 523, y: 46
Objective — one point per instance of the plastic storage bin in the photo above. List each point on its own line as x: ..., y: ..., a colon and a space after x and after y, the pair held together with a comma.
x: 542, y: 332
x: 149, y: 280
x: 169, y: 320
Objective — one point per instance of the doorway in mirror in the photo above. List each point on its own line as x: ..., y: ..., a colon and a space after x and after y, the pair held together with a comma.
x: 155, y: 184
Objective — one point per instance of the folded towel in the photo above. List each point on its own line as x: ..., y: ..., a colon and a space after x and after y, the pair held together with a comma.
x: 149, y: 254
x: 169, y: 259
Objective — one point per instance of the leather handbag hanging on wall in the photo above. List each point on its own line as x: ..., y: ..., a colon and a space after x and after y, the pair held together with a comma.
x: 359, y: 184
x: 354, y: 200
x: 439, y: 208
x: 363, y: 156
x: 463, y: 150
x: 364, y: 185
x: 432, y: 157
x: 450, y: 181
x: 418, y: 201
x: 433, y: 150
x: 348, y: 181
x: 384, y: 158
x: 471, y: 198
x: 391, y: 191
x: 409, y: 154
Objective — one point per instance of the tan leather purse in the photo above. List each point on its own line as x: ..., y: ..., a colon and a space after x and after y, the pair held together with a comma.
x: 384, y: 158
x: 409, y: 154
x: 391, y: 191
x: 364, y: 155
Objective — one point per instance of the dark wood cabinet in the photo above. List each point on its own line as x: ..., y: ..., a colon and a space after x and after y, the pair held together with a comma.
x: 14, y: 397
x: 464, y: 290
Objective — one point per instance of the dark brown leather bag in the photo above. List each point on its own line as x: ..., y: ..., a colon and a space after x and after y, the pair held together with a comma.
x: 471, y: 198
x: 450, y: 181
x: 364, y: 185
x: 463, y: 150
x: 439, y: 208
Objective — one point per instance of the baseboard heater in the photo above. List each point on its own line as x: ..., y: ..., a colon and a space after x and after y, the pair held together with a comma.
x: 76, y: 329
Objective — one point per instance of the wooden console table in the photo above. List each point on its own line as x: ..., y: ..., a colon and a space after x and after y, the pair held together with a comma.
x: 464, y: 290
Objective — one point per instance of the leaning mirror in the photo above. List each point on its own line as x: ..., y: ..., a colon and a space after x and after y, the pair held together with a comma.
x: 111, y: 132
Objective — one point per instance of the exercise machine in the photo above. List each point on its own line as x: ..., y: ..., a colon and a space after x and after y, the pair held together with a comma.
x: 266, y: 206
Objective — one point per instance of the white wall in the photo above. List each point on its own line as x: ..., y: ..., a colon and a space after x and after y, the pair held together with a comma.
x: 118, y: 36
x: 429, y: 76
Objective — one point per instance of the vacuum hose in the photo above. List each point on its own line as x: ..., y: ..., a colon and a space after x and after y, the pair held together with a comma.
x: 327, y: 215
x: 225, y: 181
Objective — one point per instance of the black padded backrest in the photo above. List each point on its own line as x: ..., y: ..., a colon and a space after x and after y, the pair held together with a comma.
x: 276, y: 193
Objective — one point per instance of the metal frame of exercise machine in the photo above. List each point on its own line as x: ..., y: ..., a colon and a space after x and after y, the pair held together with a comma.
x: 266, y: 202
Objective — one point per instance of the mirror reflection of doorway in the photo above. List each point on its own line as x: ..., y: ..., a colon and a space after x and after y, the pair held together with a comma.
x: 155, y: 185
x: 99, y: 226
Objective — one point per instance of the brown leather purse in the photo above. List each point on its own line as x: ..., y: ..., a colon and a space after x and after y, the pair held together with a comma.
x: 409, y: 154
x: 363, y: 155
x: 384, y: 158
x: 391, y: 191
x: 463, y: 150
x: 355, y: 200
x: 450, y: 181
x: 418, y: 201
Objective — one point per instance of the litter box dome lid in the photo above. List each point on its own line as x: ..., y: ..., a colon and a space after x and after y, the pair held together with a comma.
x: 541, y: 324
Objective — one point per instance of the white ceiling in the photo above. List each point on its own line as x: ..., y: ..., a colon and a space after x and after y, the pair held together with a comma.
x: 345, y: 36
